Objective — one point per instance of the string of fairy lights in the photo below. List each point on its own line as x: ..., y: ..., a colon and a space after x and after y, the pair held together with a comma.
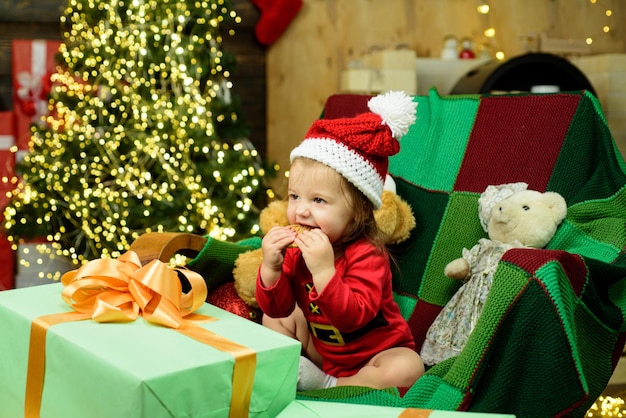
x: 130, y: 144
x: 606, y: 28
x: 483, y: 8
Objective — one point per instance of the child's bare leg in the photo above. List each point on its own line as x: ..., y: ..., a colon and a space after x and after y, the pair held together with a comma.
x: 295, y: 326
x: 395, y: 367
x: 310, y: 375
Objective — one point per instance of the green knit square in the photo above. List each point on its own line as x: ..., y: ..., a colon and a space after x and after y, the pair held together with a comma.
x: 529, y: 345
x: 460, y: 228
x: 571, y: 238
x: 405, y: 303
x: 432, y: 391
x: 433, y: 162
x: 410, y: 257
x: 216, y: 261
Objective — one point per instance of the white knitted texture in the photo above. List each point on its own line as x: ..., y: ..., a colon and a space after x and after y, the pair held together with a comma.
x: 352, y: 166
x: 396, y: 109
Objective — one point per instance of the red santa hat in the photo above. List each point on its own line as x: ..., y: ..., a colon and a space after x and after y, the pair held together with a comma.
x: 358, y: 148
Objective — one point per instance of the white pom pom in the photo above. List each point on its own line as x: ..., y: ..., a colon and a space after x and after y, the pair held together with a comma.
x: 397, y: 110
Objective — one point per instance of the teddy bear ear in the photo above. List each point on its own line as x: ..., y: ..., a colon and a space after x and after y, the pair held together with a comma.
x: 557, y: 205
x: 274, y: 214
x: 406, y: 222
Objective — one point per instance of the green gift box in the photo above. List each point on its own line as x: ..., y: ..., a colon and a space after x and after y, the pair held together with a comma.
x: 137, y: 369
x: 317, y: 409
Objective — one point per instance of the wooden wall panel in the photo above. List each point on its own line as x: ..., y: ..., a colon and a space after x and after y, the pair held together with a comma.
x: 304, y: 65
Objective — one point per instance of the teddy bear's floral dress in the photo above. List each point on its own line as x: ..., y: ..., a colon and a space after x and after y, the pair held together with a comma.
x: 450, y: 330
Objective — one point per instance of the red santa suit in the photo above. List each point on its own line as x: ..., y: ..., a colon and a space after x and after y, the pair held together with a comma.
x: 353, y: 318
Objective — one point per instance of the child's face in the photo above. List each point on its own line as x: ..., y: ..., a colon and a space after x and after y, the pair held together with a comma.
x: 317, y: 200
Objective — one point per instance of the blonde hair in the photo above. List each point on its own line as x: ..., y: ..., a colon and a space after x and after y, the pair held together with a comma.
x: 364, y: 224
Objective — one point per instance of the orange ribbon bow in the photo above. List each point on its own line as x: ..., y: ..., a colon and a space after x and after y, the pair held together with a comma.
x: 120, y: 290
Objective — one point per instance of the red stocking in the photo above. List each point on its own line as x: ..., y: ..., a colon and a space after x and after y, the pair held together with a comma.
x: 276, y: 15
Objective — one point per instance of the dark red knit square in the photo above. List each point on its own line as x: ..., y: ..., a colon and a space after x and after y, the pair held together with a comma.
x: 516, y: 138
x: 420, y: 320
x: 345, y: 105
x: 532, y: 260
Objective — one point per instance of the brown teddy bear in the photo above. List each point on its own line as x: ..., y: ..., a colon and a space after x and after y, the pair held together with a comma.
x: 394, y: 218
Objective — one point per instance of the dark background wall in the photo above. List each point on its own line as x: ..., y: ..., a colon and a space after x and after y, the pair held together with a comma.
x: 40, y: 19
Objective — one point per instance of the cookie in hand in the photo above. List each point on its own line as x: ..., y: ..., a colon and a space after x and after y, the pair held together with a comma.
x: 298, y: 230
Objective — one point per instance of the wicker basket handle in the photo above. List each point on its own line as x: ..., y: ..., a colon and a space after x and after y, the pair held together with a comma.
x: 163, y: 245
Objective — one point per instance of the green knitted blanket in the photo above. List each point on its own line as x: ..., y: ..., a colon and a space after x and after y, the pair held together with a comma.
x: 553, y: 325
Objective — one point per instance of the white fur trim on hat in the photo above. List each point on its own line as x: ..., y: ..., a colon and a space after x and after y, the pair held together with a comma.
x: 352, y: 166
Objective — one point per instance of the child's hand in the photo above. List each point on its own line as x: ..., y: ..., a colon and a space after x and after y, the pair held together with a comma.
x: 272, y: 246
x: 319, y: 256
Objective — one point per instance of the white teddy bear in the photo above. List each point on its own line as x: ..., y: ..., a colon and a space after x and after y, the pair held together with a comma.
x: 513, y: 217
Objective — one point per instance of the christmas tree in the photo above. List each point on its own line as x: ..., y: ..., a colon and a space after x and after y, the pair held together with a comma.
x: 142, y: 133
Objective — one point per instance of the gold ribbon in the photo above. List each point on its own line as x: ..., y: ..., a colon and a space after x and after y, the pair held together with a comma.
x: 415, y: 413
x: 120, y: 290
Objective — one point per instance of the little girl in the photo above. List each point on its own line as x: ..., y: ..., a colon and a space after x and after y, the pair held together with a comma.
x: 332, y: 291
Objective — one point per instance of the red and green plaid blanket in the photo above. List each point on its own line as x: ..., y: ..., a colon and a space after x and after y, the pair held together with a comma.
x: 553, y: 325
